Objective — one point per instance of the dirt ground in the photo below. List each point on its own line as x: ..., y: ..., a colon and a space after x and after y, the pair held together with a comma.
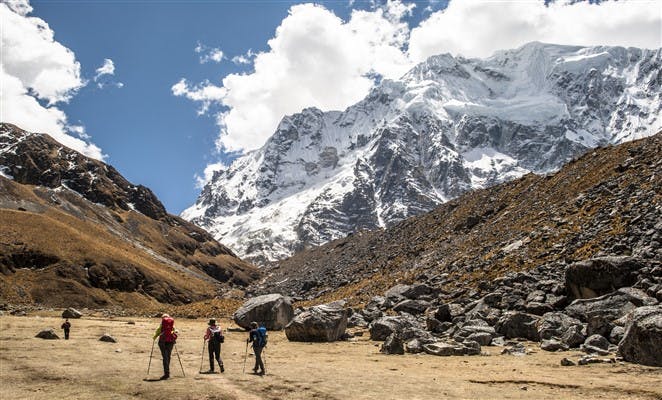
x: 85, y: 368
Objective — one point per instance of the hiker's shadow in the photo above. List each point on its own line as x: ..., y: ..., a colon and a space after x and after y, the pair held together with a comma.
x: 152, y: 380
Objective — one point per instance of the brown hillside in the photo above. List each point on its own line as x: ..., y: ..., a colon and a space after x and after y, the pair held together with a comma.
x: 606, y: 202
x: 61, y: 247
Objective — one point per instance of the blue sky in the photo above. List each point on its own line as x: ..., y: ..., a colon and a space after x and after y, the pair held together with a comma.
x: 172, y: 107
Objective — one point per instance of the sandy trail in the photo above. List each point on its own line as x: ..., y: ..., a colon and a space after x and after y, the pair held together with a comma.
x: 85, y: 368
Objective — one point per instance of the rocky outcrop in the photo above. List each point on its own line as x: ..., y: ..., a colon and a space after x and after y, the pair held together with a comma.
x: 642, y: 341
x: 323, y: 323
x: 599, y: 276
x: 274, y: 311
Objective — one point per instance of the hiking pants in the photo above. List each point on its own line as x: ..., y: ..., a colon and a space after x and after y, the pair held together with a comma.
x: 166, y: 351
x: 214, y: 353
x: 66, y: 334
x: 258, y: 358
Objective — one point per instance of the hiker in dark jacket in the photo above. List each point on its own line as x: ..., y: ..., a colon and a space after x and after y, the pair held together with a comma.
x: 214, y: 335
x: 66, y: 326
x: 258, y: 341
x: 167, y: 337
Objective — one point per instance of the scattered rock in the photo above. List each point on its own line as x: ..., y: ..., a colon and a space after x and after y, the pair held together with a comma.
x: 515, y: 324
x: 107, y: 338
x: 599, y: 276
x: 47, y: 334
x: 71, y: 313
x: 597, y: 341
x: 392, y: 345
x: 567, y: 362
x: 553, y: 345
x: 383, y: 327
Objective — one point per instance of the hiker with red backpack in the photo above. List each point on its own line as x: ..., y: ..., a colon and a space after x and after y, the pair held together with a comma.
x: 214, y: 336
x: 167, y: 338
x: 258, y: 336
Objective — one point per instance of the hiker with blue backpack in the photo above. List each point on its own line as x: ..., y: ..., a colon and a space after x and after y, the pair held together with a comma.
x: 214, y: 336
x: 258, y: 336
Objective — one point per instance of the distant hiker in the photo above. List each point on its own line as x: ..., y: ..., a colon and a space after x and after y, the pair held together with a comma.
x: 214, y: 335
x: 66, y: 326
x: 259, y: 338
x: 167, y: 337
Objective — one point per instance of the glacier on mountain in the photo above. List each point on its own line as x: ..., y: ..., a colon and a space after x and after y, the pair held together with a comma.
x: 449, y: 125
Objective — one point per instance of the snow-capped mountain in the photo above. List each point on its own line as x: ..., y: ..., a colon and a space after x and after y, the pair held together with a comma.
x: 447, y: 126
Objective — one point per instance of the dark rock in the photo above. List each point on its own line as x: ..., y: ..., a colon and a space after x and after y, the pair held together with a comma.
x: 380, y: 329
x: 107, y: 338
x: 515, y: 324
x: 71, y: 313
x: 642, y: 341
x: 483, y: 338
x: 555, y: 324
x: 356, y: 320
x: 273, y: 310
x: 413, y: 307
x: 567, y: 362
x: 392, y: 345
x: 538, y: 308
x: 323, y: 323
x: 599, y: 276
x: 47, y: 334
x: 616, y: 334
x: 573, y: 337
x: 610, y: 307
x: 553, y: 345
x: 598, y: 325
x: 597, y: 341
x: 448, y: 312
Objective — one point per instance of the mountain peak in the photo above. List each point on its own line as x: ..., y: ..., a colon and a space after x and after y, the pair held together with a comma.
x: 448, y: 126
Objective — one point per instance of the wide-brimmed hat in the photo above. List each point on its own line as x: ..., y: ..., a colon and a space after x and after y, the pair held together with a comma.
x: 212, y: 321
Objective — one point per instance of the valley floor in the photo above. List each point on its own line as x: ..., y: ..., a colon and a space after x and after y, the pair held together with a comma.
x: 85, y: 368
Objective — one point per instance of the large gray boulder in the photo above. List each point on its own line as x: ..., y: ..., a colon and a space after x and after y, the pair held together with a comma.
x: 273, y: 310
x: 71, y: 313
x: 555, y: 325
x: 323, y: 323
x: 599, y: 276
x: 609, y: 307
x: 642, y: 342
x: 515, y: 324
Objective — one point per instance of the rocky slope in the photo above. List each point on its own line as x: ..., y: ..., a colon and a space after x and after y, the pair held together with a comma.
x: 447, y: 126
x: 608, y: 202
x: 73, y: 231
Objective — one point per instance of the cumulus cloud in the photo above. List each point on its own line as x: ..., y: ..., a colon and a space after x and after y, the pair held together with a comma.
x: 479, y: 28
x: 209, y: 54
x: 317, y: 59
x: 37, y: 73
x: 314, y: 59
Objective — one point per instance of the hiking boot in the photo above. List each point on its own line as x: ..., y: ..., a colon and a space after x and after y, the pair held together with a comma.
x: 164, y: 377
x: 222, y: 368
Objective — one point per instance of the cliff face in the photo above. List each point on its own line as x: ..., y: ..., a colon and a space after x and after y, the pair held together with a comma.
x: 74, y: 231
x: 448, y: 126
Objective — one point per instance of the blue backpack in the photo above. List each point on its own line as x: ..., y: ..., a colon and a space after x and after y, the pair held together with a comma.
x: 262, y: 336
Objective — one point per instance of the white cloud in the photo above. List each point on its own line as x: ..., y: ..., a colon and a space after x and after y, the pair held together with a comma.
x: 244, y: 59
x: 37, y: 73
x: 208, y: 54
x: 478, y: 28
x: 108, y: 68
x: 317, y: 59
x: 201, y: 181
x: 314, y: 59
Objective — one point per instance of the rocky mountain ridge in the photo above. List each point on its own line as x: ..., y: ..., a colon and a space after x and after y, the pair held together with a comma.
x: 605, y: 203
x: 75, y: 232
x: 448, y: 126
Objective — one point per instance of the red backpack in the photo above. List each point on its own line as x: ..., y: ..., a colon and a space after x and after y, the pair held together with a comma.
x: 168, y: 330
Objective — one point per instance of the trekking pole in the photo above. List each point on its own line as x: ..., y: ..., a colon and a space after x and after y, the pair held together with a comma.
x: 202, y: 355
x: 150, y: 356
x: 243, y: 371
x: 180, y: 360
